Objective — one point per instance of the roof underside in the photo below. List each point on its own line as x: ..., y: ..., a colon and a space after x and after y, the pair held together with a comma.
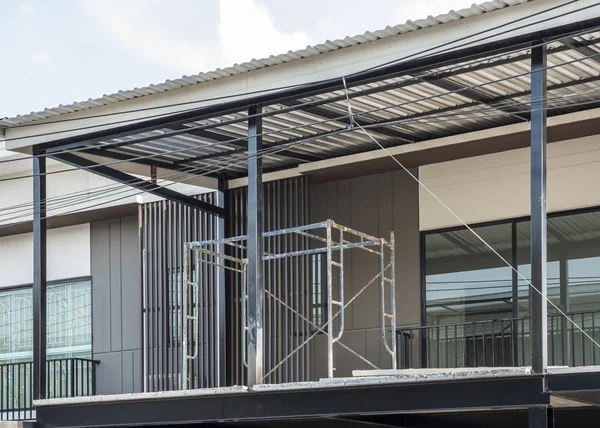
x: 404, y: 108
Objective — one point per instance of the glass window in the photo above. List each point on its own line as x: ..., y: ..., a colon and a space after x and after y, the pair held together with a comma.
x: 69, y: 322
x: 465, y: 280
x: 467, y: 283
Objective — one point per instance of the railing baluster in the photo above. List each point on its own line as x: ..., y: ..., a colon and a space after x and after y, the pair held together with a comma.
x: 447, y: 353
x: 493, y: 338
x: 572, y: 335
x: 552, y: 360
x: 501, y: 360
x: 582, y: 339
x: 12, y: 389
x: 437, y: 348
x: 483, y: 345
x: 523, y: 341
x: 593, y: 337
x: 456, y: 346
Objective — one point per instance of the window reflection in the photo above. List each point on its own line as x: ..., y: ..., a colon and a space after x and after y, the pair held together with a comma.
x: 465, y: 282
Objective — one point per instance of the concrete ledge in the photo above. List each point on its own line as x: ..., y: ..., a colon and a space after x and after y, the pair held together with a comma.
x: 145, y: 396
x: 573, y: 370
x: 377, y: 377
x: 16, y: 424
x: 458, y: 373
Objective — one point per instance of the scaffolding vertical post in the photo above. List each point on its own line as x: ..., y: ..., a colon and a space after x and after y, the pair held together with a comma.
x: 391, y: 349
x: 393, y: 299
x: 184, y: 309
x: 39, y: 276
x: 220, y: 295
x: 538, y: 305
x: 255, y: 249
x: 329, y: 303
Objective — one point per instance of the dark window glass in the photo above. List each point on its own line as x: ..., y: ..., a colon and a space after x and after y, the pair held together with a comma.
x: 465, y: 280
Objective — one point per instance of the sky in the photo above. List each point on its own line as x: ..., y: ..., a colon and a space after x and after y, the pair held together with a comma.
x: 63, y: 51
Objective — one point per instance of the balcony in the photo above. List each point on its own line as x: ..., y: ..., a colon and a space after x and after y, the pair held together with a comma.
x: 66, y: 377
x: 499, y: 343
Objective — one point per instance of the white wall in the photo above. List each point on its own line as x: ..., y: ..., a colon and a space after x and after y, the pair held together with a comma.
x: 68, y: 255
x: 496, y: 186
x: 82, y: 189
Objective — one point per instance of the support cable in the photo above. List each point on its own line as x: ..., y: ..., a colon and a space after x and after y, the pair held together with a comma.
x: 471, y: 229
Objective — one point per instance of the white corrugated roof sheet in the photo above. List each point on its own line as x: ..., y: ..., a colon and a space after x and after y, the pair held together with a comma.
x: 254, y: 64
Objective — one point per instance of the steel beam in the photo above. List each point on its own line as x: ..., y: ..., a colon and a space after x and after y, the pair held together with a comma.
x: 255, y: 250
x: 39, y: 276
x: 301, y: 404
x: 541, y: 417
x: 134, y: 158
x: 475, y: 95
x: 582, y: 48
x: 138, y: 183
x: 515, y: 294
x: 226, y: 139
x: 328, y: 113
x: 406, y: 119
x: 538, y: 305
x: 221, y: 307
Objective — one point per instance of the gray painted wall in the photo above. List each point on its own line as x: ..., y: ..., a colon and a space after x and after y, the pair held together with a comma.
x: 116, y: 305
x: 375, y: 204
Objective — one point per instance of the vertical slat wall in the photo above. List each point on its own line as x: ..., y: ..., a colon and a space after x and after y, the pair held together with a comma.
x: 286, y: 205
x: 164, y: 228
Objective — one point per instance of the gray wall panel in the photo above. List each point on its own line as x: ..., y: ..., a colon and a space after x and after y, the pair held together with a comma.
x: 109, y: 373
x: 375, y: 204
x: 100, y: 287
x: 116, y: 292
x: 408, y: 264
x: 131, y: 292
x: 115, y: 284
x: 127, y: 376
x: 137, y: 370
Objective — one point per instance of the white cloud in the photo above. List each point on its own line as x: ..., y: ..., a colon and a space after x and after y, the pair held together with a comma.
x: 40, y: 57
x: 131, y: 23
x: 26, y: 8
x: 422, y: 9
x: 247, y: 30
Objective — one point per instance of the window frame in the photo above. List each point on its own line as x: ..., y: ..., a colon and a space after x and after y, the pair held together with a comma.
x: 28, y: 355
x: 514, y: 222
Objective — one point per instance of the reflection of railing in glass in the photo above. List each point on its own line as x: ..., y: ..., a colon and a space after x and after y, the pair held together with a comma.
x: 66, y: 377
x: 499, y: 343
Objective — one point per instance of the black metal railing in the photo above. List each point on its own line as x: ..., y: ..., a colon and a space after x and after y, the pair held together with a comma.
x: 66, y: 377
x: 499, y: 343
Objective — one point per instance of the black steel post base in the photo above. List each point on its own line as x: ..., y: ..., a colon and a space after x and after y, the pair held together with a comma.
x: 541, y: 417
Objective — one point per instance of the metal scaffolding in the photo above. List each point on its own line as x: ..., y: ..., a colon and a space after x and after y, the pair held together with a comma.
x: 329, y: 242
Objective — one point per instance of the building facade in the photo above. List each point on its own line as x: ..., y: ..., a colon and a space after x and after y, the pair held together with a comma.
x: 413, y: 245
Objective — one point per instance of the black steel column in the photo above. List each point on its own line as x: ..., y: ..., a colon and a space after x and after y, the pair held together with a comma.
x: 255, y: 243
x: 541, y: 417
x: 539, y: 308
x: 515, y: 295
x: 221, y: 280
x: 39, y: 276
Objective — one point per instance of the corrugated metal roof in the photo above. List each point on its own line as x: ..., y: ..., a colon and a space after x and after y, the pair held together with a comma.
x: 255, y: 64
x: 400, y: 109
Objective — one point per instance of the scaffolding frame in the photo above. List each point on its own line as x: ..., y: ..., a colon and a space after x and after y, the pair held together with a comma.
x: 347, y: 239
